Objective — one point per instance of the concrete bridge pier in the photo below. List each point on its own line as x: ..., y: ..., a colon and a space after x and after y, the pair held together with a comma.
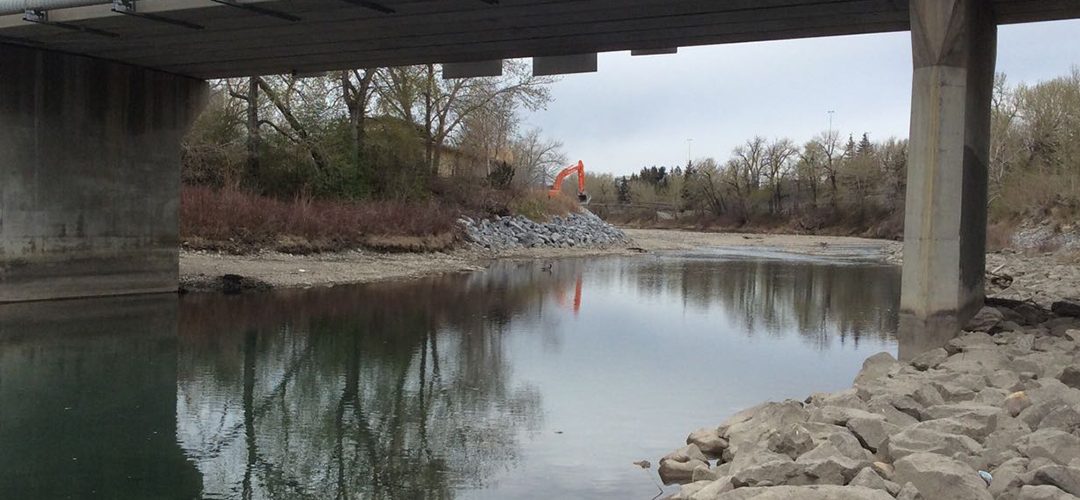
x: 954, y: 45
x: 89, y: 175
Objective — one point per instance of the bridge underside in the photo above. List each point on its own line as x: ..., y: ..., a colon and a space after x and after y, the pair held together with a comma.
x: 94, y: 103
x: 205, y: 39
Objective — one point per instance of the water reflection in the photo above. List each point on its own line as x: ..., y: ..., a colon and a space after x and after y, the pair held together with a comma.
x: 524, y: 381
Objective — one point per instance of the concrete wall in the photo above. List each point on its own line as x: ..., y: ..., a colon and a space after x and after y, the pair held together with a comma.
x: 89, y: 175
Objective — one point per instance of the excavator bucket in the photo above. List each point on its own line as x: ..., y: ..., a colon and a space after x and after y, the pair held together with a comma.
x: 584, y: 198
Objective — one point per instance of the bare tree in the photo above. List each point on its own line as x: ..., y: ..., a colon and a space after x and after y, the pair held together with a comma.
x: 413, y: 92
x: 777, y: 159
x: 537, y: 159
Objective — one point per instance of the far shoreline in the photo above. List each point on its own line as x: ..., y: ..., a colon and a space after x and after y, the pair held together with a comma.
x: 202, y: 271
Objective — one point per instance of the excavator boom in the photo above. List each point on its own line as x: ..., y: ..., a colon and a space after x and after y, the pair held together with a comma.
x: 578, y: 169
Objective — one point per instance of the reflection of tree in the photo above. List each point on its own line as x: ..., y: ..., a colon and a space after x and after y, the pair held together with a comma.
x: 395, y: 391
x: 775, y: 297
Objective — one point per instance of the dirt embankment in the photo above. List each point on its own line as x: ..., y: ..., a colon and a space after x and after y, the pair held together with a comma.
x: 200, y: 270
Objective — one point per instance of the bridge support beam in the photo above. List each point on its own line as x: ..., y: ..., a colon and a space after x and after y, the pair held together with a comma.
x: 89, y: 175
x: 954, y: 47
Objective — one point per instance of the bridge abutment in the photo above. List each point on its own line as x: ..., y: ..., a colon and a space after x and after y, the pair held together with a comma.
x: 954, y: 45
x: 89, y: 175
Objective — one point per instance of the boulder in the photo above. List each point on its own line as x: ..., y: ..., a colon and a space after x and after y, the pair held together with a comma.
x: 1065, y: 418
x: 884, y: 470
x: 1008, y: 477
x: 708, y: 440
x: 828, y: 492
x: 921, y: 441
x: 704, y: 473
x: 1055, y: 445
x: 876, y: 367
x: 679, y: 465
x: 1070, y: 376
x: 687, y: 491
x: 1066, y: 307
x: 867, y: 478
x: 827, y: 465
x: 1016, y: 403
x: 673, y: 471
x: 1028, y: 492
x: 1004, y: 379
x: 773, y: 472
x: 930, y: 359
x: 872, y: 430
x: 714, y: 489
x: 975, y: 424
x: 909, y: 492
x: 792, y: 441
x: 941, y: 478
x: 1064, y: 478
x: 986, y: 320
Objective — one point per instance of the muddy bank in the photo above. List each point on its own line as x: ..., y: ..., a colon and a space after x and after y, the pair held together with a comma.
x: 202, y: 270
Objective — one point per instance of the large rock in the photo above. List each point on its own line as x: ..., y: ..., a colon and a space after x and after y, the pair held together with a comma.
x: 1028, y: 492
x: 708, y: 440
x: 1016, y: 403
x: 941, y: 478
x: 977, y: 423
x: 1066, y: 307
x: 1055, y: 445
x: 804, y: 493
x: 986, y: 320
x: 714, y: 489
x: 930, y: 359
x: 867, y: 478
x: 791, y: 441
x: 1008, y: 478
x: 921, y: 441
x: 872, y: 430
x: 1064, y: 478
x: 826, y: 464
x: 1070, y: 376
x: 673, y: 471
x: 678, y: 466
x: 877, y: 366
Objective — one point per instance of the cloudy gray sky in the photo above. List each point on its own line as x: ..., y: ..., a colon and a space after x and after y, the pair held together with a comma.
x: 640, y: 111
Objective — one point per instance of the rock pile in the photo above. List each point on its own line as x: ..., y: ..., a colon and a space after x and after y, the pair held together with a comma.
x: 995, y: 414
x: 583, y: 229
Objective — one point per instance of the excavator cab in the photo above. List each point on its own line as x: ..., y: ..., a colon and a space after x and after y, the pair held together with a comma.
x: 578, y: 169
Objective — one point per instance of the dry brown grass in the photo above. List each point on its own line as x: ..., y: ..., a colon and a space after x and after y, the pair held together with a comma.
x: 236, y: 221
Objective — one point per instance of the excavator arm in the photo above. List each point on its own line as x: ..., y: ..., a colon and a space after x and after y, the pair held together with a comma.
x: 578, y: 169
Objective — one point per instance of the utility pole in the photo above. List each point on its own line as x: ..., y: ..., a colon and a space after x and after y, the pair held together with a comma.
x: 830, y: 121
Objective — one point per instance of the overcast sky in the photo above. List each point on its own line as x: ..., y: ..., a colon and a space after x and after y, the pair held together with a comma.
x: 640, y: 111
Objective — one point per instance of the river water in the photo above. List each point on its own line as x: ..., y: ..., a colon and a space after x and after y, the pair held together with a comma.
x: 523, y: 381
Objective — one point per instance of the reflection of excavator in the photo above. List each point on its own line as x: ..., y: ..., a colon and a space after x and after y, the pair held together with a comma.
x: 560, y: 296
x: 578, y: 169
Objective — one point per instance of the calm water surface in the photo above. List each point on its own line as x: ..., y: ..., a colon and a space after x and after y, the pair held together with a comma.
x: 512, y: 383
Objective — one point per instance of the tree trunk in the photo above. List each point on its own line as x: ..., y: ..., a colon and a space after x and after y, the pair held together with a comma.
x: 254, y: 140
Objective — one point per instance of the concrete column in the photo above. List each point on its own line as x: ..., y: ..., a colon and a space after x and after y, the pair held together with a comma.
x: 89, y: 175
x: 954, y: 51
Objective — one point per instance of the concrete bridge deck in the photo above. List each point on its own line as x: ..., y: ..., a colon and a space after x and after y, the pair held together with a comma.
x: 95, y: 98
x: 225, y: 41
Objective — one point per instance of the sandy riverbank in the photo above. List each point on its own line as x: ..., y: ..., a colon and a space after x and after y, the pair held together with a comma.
x: 203, y: 270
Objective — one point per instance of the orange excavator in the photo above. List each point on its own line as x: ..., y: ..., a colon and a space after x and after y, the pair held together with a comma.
x: 578, y: 169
